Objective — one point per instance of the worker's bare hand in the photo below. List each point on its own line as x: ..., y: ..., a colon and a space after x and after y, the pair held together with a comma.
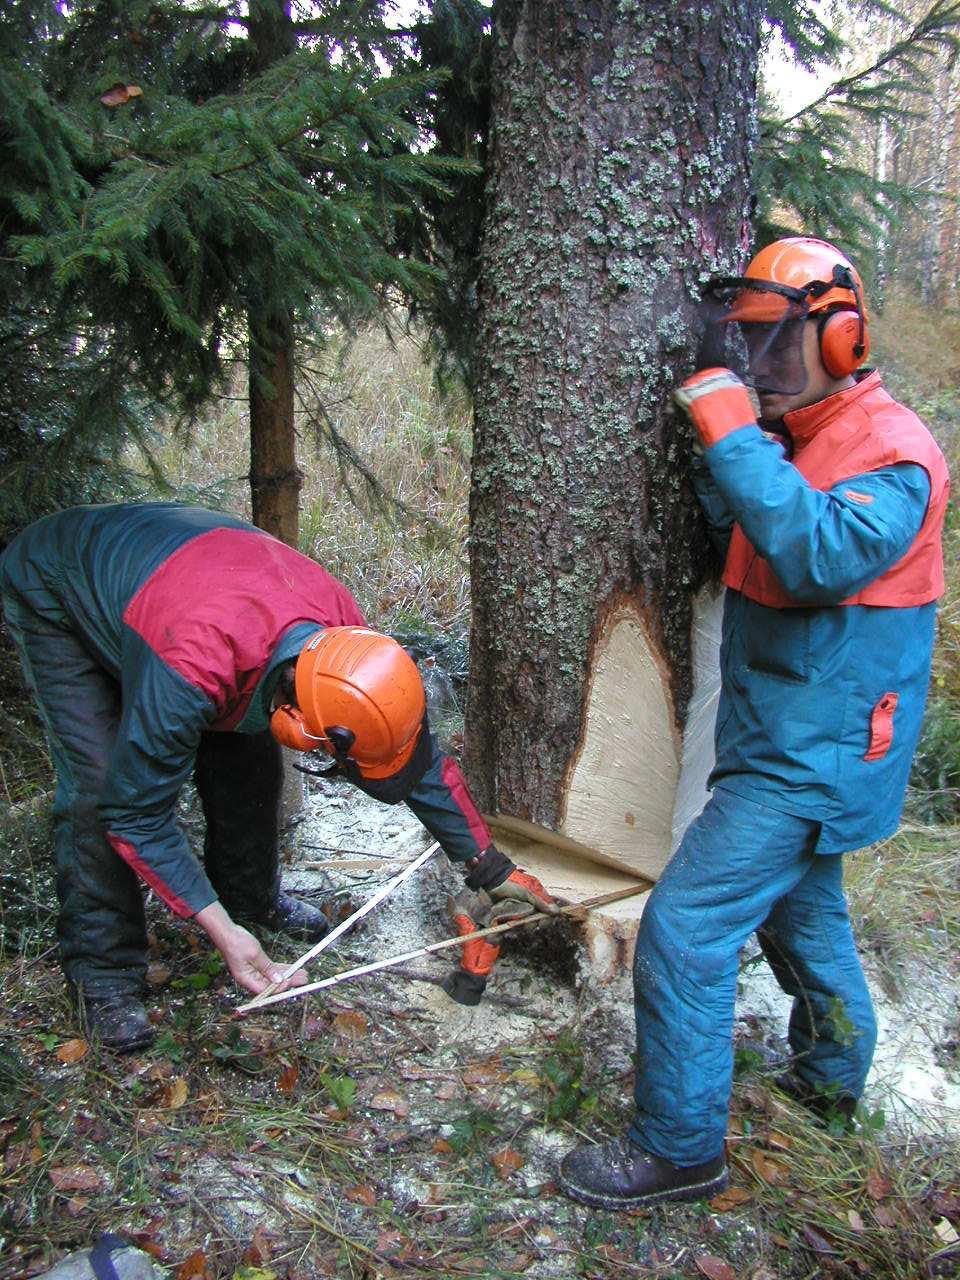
x: 250, y: 965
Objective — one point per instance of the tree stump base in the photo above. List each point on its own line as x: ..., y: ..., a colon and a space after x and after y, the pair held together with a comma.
x: 575, y: 872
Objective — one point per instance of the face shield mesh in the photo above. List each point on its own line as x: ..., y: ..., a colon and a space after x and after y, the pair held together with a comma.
x: 754, y: 328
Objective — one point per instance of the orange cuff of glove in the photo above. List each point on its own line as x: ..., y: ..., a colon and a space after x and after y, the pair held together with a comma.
x: 479, y: 956
x: 717, y: 403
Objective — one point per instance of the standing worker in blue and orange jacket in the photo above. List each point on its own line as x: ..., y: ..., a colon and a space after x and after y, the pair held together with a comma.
x: 163, y: 641
x: 832, y: 534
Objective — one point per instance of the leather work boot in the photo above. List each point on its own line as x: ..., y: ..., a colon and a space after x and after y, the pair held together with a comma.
x: 827, y: 1108
x: 298, y: 919
x: 118, y: 1020
x: 621, y: 1175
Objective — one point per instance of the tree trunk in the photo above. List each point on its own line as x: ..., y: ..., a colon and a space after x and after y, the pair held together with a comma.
x: 621, y: 142
x: 275, y: 479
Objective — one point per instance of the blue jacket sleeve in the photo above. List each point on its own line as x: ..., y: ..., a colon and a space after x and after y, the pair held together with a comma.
x: 442, y: 802
x: 823, y: 546
x: 162, y: 719
x: 715, y: 510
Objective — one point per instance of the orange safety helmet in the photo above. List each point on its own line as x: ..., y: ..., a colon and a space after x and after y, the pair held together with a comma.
x: 359, y: 697
x: 803, y: 268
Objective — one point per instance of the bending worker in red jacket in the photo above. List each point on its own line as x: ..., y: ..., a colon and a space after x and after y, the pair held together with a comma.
x: 833, y: 565
x: 163, y: 641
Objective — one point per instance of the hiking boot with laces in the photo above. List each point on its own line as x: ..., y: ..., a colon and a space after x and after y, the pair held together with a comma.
x: 621, y: 1175
x: 118, y: 1020
x: 298, y: 919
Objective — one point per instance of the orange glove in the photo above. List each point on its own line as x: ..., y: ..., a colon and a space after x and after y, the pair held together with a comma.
x: 521, y: 887
x: 478, y: 956
x: 717, y: 402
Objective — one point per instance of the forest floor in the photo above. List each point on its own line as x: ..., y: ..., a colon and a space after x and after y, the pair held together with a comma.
x: 379, y: 1130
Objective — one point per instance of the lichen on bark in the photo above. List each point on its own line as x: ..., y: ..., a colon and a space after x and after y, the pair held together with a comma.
x: 619, y: 180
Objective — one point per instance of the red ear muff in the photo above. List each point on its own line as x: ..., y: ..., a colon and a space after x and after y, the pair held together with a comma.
x: 841, y: 348
x: 287, y: 726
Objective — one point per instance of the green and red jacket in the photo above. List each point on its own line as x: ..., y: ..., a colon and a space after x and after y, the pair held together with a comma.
x: 194, y: 613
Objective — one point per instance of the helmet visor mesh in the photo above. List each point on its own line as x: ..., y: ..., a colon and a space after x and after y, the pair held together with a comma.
x: 755, y: 329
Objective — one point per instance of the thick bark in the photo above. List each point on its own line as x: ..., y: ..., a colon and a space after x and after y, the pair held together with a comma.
x: 622, y: 135
x: 275, y: 479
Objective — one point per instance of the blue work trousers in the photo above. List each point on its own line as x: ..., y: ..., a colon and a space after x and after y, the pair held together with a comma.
x: 741, y: 867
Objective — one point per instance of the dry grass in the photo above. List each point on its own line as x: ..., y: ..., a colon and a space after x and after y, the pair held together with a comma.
x: 403, y: 558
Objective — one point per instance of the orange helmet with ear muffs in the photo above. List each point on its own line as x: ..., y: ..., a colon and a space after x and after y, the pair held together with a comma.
x: 359, y: 697
x: 833, y: 290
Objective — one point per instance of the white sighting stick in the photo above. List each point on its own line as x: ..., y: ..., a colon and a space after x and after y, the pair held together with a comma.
x: 344, y: 925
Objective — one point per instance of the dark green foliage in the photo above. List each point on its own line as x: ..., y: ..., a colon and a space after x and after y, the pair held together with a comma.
x: 138, y: 237
x: 454, y: 39
x: 935, y: 777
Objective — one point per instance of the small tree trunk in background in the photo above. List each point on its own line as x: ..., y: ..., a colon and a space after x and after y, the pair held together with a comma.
x: 619, y: 179
x: 275, y: 478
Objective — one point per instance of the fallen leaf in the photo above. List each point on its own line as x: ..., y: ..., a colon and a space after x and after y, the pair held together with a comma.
x: 884, y: 1216
x: 715, y: 1268
x: 484, y: 1073
x: 855, y: 1221
x: 76, y: 1177
x: 175, y: 1094
x: 194, y: 1267
x: 351, y: 1024
x: 260, y: 1248
x: 157, y: 974
x: 780, y: 1241
x: 17, y: 1155
x: 771, y: 1171
x: 779, y: 1141
x: 518, y: 1261
x: 878, y: 1185
x: 732, y: 1198
x: 77, y: 1205
x: 363, y: 1195
x: 762, y: 1272
x: 946, y: 1203
x: 390, y: 1100
x: 288, y: 1078
x: 118, y: 94
x: 507, y: 1162
x: 441, y: 1147
x: 72, y: 1050
x: 388, y: 1242
x: 445, y: 1091
x: 816, y: 1241
x: 945, y: 1231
